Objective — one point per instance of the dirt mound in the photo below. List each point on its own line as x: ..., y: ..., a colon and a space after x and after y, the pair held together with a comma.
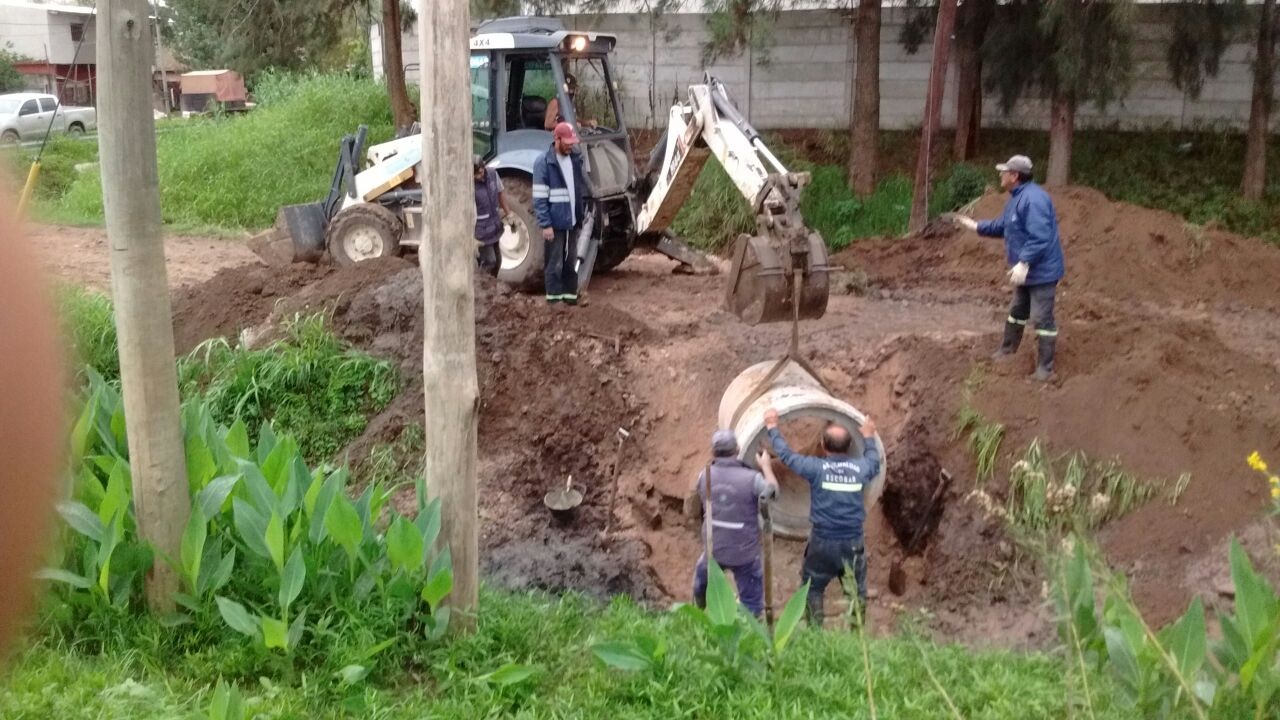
x: 1115, y: 250
x: 234, y: 299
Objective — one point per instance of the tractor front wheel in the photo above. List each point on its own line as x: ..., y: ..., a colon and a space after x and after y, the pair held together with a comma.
x: 364, y: 232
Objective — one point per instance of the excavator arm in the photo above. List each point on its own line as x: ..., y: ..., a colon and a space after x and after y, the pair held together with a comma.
x: 780, y: 273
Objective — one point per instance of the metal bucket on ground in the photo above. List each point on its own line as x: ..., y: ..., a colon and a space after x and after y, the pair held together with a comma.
x: 804, y: 407
x: 562, y: 501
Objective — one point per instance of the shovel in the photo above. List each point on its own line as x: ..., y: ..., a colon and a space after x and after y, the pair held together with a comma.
x: 897, y: 575
x: 613, y: 489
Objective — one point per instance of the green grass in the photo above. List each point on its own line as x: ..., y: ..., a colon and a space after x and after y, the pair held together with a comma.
x: 89, y: 330
x: 145, y: 670
x: 308, y: 384
x: 234, y: 172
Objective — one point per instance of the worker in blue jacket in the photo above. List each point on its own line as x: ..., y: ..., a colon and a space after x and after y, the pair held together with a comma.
x: 559, y: 189
x: 837, y: 486
x: 1029, y: 226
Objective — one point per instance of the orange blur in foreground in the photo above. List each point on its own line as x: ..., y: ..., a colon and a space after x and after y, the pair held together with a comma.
x: 31, y: 420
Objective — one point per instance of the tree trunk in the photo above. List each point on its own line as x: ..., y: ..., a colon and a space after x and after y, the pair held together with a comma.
x: 1255, y: 154
x: 402, y: 111
x: 932, y: 115
x: 973, y: 17
x: 864, y: 150
x: 140, y: 288
x: 1061, y: 133
x: 450, y: 386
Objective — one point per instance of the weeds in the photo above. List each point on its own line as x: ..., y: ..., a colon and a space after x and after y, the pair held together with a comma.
x: 307, y: 384
x: 397, y: 462
x: 1045, y: 503
x: 984, y: 439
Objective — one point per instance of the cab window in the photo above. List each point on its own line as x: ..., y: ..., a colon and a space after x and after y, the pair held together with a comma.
x: 481, y: 105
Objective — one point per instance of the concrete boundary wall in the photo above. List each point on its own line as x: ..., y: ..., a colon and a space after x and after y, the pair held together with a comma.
x: 806, y: 79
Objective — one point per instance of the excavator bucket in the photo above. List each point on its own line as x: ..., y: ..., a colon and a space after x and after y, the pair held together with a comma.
x: 299, y: 231
x: 297, y: 236
x: 776, y: 281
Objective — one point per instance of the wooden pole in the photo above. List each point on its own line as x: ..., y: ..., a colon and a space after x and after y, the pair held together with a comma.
x: 131, y: 203
x: 932, y: 114
x: 447, y: 258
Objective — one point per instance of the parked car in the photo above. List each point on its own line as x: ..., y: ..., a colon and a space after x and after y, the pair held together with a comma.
x: 26, y: 116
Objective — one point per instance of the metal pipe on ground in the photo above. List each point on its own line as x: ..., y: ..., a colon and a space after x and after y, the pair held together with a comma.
x: 804, y: 407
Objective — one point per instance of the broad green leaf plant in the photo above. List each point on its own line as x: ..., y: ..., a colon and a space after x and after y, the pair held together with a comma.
x: 1177, y: 670
x: 269, y: 542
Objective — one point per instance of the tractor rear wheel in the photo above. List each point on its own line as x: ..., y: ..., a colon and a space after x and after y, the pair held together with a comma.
x: 364, y: 232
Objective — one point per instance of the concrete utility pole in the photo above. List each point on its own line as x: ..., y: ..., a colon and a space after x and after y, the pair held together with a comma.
x: 139, y: 286
x: 448, y: 263
x: 932, y: 114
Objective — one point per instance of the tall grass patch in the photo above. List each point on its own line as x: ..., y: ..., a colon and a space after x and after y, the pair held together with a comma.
x: 89, y: 330
x: 307, y: 384
x: 235, y: 171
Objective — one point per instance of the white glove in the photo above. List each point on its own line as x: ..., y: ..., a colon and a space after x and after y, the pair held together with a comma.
x: 1018, y: 275
x: 967, y: 223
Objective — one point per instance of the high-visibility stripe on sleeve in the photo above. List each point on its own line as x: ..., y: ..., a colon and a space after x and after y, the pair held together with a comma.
x: 727, y: 525
x: 541, y: 191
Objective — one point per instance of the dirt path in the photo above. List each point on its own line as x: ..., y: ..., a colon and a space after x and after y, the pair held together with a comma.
x: 79, y: 255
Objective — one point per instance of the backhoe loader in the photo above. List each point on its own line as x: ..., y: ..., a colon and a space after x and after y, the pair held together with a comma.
x: 521, y: 66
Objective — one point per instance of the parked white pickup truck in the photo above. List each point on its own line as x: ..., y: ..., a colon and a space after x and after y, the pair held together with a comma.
x: 26, y: 116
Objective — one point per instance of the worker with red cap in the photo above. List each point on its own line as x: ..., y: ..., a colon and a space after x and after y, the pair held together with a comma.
x: 558, y: 204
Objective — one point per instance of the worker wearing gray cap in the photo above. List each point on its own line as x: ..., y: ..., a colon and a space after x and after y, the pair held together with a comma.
x: 736, y: 492
x: 1029, y: 226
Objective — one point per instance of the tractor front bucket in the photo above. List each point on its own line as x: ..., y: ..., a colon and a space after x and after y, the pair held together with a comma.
x: 297, y: 236
x: 763, y: 281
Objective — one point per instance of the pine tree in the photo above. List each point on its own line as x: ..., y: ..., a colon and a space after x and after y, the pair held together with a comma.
x: 1068, y: 51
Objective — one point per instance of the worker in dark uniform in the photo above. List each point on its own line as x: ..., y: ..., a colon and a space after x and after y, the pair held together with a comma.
x: 737, y: 489
x: 837, y: 486
x: 1029, y: 226
x: 491, y: 213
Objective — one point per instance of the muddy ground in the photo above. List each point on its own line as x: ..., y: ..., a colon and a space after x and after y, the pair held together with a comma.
x: 1168, y: 362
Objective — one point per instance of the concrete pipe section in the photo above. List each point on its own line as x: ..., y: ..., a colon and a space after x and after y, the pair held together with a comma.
x: 804, y: 409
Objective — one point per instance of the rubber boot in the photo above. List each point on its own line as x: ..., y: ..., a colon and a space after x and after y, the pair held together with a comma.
x: 1012, y: 339
x: 813, y: 611
x: 1044, y: 359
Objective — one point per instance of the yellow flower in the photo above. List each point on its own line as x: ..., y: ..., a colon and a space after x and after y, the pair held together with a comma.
x: 1275, y: 479
x: 1275, y: 493
x: 1255, y: 462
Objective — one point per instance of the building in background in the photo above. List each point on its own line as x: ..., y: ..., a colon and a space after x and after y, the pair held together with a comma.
x: 45, y: 36
x: 59, y: 54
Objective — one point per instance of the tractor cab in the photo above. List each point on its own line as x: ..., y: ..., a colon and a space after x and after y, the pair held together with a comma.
x: 527, y: 74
